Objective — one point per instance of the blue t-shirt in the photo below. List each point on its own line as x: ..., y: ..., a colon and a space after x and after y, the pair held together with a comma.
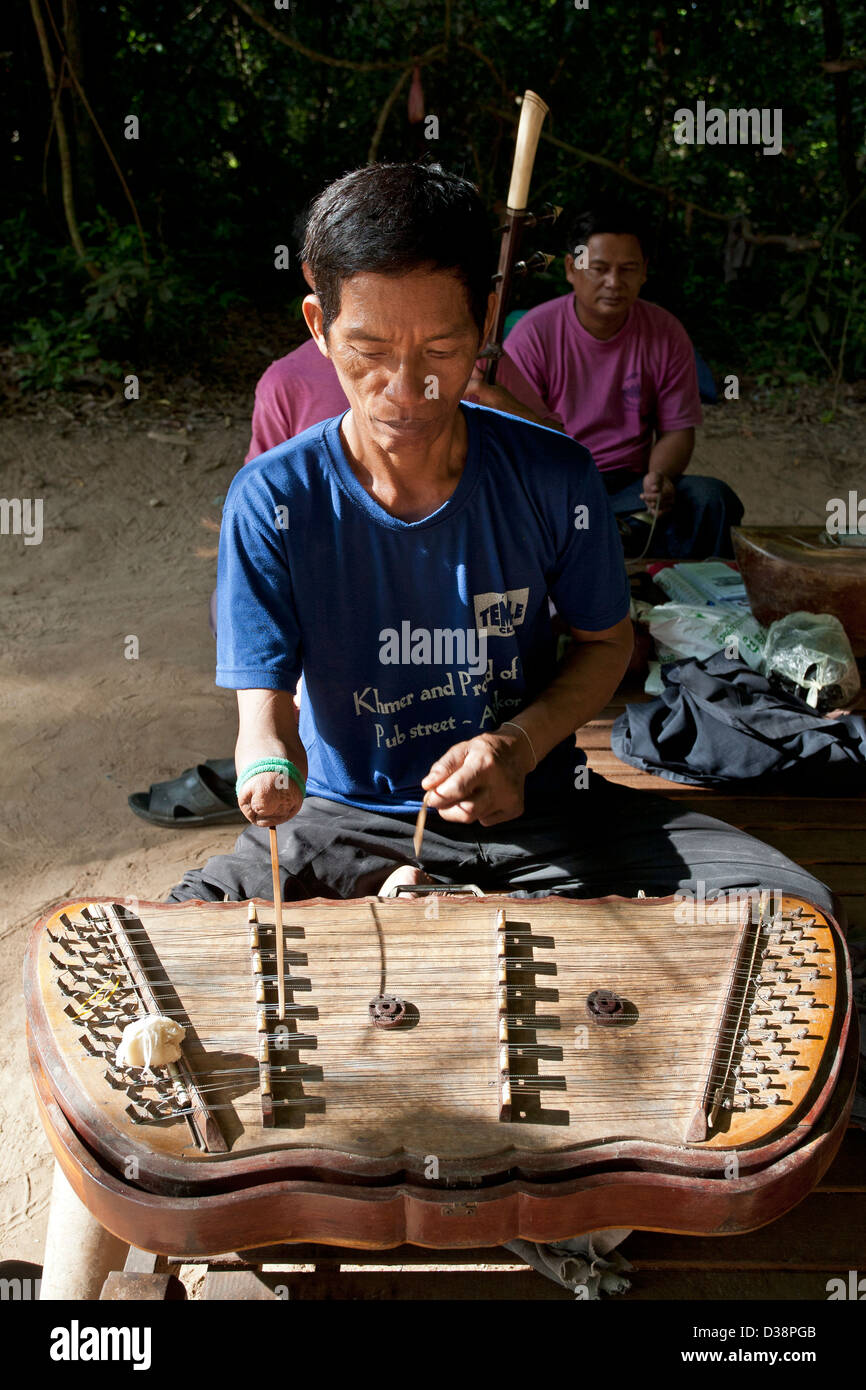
x: 413, y: 636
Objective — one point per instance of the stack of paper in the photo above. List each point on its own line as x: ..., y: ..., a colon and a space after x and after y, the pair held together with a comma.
x: 705, y: 583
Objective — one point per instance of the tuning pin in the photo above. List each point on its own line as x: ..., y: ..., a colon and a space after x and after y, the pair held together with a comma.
x: 140, y: 1114
x: 550, y: 213
x: 539, y: 260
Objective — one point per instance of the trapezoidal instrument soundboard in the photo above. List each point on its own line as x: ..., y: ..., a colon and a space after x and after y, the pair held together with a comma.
x: 449, y: 1070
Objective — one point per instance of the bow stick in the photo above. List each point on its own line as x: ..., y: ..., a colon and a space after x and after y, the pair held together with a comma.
x: 532, y: 114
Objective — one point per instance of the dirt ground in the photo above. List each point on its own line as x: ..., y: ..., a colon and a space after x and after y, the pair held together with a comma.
x: 83, y: 726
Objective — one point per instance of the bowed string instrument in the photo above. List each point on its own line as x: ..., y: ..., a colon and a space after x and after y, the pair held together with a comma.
x: 517, y: 219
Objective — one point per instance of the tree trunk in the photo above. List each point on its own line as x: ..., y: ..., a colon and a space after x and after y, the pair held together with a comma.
x: 846, y: 142
x: 82, y: 129
x: 62, y: 144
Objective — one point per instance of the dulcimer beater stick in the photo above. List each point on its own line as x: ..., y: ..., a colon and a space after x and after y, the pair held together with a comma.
x: 420, y: 822
x: 278, y: 925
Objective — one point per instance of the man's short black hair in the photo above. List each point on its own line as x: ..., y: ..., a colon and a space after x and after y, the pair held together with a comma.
x: 389, y: 219
x: 606, y: 216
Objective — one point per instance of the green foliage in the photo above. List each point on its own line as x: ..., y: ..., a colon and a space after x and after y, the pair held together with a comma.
x: 155, y: 310
x: 56, y: 350
x: 239, y: 131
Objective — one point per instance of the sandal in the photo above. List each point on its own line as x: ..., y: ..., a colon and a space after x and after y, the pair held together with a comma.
x: 203, y: 795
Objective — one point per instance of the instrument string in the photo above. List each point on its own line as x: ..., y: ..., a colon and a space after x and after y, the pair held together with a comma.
x: 780, y: 992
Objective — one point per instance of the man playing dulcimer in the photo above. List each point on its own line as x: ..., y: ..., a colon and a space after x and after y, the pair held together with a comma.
x: 402, y: 558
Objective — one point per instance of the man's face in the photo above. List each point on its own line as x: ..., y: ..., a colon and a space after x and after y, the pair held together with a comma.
x: 606, y: 290
x: 404, y: 348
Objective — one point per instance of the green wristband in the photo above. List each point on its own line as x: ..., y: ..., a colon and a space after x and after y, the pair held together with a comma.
x: 271, y: 765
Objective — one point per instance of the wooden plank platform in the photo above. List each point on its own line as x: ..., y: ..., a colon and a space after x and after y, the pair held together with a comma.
x: 827, y: 835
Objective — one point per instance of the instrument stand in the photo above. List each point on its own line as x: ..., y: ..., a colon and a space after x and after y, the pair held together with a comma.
x: 79, y: 1252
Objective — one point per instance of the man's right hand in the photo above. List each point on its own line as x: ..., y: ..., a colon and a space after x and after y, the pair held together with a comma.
x: 268, y: 728
x: 659, y: 492
x: 270, y: 799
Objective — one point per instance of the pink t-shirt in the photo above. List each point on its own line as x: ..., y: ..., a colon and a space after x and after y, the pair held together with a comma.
x: 610, y: 395
x: 302, y: 388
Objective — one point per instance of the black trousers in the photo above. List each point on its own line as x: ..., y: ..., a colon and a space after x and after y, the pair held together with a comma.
x: 698, y: 527
x: 606, y: 839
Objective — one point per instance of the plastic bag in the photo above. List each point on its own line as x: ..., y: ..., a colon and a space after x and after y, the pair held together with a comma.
x: 809, y: 655
x: 682, y: 630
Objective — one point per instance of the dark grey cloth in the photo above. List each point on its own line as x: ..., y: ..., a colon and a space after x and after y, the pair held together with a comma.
x: 605, y: 839
x: 719, y: 724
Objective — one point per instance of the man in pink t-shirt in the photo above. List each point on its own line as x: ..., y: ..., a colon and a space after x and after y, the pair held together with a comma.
x: 620, y: 373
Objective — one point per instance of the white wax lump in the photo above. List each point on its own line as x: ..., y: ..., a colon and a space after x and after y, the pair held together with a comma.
x: 152, y: 1041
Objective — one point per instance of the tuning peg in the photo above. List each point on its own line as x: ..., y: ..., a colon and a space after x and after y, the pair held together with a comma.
x: 550, y: 214
x: 539, y: 260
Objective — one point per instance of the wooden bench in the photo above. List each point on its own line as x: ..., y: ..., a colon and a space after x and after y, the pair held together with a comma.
x: 827, y: 835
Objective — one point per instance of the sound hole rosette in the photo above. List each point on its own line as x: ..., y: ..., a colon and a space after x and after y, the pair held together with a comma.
x: 387, y: 1011
x: 605, y: 1007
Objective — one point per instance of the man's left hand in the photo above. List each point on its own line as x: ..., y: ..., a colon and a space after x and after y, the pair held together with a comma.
x: 481, y: 779
x: 659, y: 493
